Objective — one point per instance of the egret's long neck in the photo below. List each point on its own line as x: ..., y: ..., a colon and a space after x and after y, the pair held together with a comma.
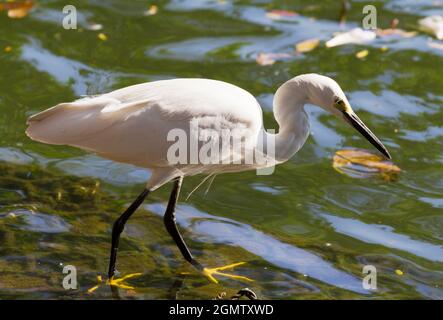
x: 289, y: 101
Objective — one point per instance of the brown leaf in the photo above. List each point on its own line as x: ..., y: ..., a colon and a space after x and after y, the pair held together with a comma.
x: 307, y: 45
x: 395, y: 32
x: 17, y: 10
x: 394, y: 23
x: 358, y: 163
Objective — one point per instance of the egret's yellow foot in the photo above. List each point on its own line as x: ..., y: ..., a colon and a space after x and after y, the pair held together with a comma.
x: 211, y: 272
x: 116, y: 282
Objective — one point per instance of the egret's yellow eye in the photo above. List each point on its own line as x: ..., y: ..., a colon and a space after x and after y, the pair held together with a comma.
x: 341, y: 105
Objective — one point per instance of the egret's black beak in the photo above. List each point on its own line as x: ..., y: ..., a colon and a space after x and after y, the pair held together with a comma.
x: 355, y: 121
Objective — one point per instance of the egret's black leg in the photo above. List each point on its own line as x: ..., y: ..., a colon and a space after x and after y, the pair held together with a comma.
x: 171, y: 226
x: 118, y: 227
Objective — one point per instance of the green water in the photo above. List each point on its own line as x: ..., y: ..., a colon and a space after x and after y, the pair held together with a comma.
x: 306, y: 231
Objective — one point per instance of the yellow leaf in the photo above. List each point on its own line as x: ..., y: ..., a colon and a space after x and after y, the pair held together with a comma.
x: 307, y: 45
x: 152, y: 10
x: 7, y: 49
x: 102, y: 36
x: 399, y: 272
x: 362, y: 54
x: 363, y: 164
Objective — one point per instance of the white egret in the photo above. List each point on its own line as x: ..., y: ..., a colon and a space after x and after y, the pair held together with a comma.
x: 131, y: 125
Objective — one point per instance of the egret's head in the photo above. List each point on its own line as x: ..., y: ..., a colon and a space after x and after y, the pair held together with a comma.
x: 326, y: 93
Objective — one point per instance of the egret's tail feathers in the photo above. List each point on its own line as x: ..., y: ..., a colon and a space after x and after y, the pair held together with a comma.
x: 69, y: 122
x: 44, y: 114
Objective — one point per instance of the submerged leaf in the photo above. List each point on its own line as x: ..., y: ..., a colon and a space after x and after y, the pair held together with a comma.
x: 357, y: 36
x: 307, y: 45
x: 363, y: 164
x: 432, y: 25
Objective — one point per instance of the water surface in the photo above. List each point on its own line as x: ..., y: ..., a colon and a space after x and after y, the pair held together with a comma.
x: 306, y: 232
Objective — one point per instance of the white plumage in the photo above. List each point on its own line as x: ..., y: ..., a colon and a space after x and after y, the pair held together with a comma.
x: 131, y: 125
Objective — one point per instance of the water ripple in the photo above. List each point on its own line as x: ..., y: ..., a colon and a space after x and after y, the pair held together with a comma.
x: 208, y: 228
x: 384, y: 235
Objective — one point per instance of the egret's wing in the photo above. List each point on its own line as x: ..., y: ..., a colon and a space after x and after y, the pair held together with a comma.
x: 132, y: 124
x: 71, y: 122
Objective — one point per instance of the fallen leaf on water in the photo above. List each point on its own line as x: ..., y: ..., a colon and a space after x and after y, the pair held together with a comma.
x: 94, y: 26
x: 267, y: 59
x: 435, y: 45
x: 395, y: 32
x: 362, y: 54
x: 399, y: 272
x: 432, y: 25
x: 356, y: 35
x: 280, y: 14
x: 17, y: 13
x: 358, y: 163
x: 102, y: 36
x: 17, y: 10
x: 151, y: 11
x: 307, y: 45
